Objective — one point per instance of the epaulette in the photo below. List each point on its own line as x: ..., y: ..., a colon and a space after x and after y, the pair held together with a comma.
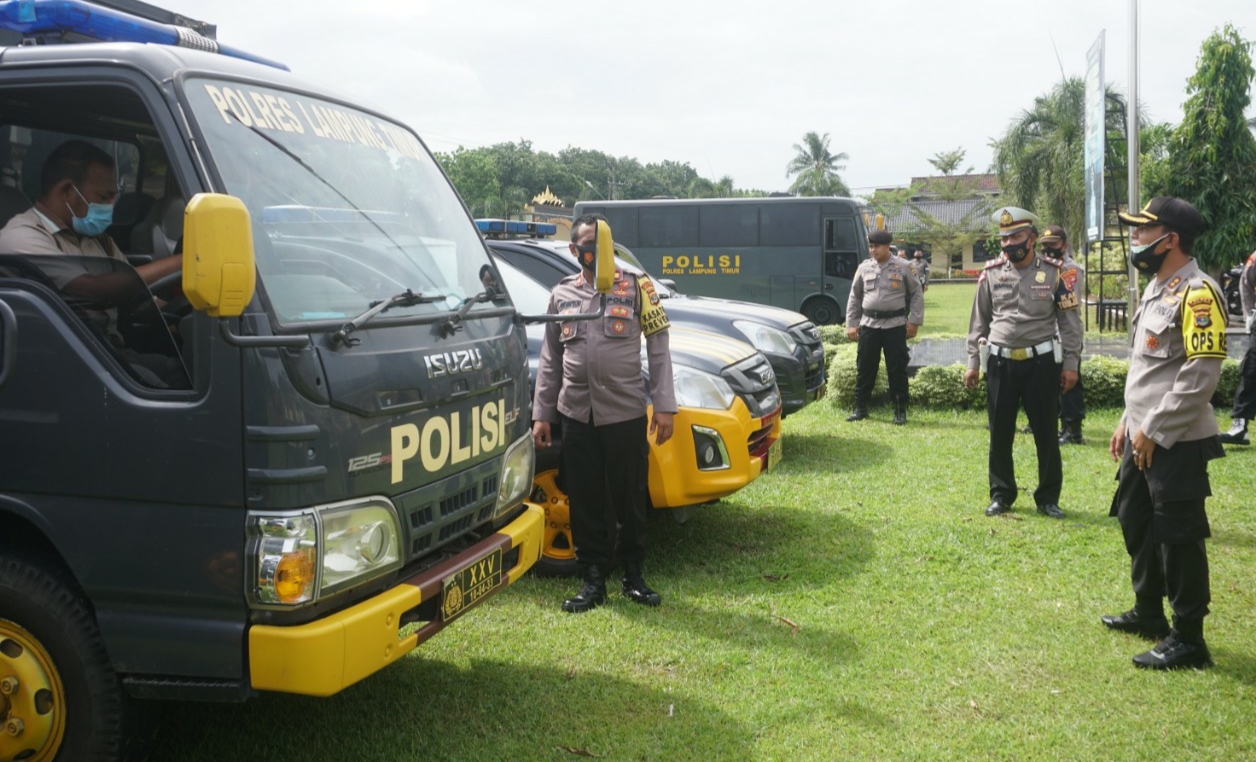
x: 1251, y: 258
x: 997, y: 261
x: 1053, y: 261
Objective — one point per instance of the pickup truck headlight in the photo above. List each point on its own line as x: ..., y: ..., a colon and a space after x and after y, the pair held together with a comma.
x: 516, y: 480
x: 697, y: 388
x: 765, y: 338
x: 302, y: 556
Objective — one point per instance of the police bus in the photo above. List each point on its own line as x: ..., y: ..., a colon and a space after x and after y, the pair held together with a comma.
x: 799, y: 253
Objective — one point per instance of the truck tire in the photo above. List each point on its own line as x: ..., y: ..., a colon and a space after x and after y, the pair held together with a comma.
x: 822, y: 311
x: 59, y: 695
x: 558, y: 552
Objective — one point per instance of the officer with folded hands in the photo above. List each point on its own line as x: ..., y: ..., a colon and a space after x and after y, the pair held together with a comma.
x: 1024, y: 301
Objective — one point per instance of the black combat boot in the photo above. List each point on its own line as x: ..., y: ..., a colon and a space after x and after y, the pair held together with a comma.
x: 1071, y: 432
x: 900, y: 413
x: 592, y: 593
x: 636, y: 588
x: 861, y: 412
x: 1237, y: 433
x: 1184, y: 648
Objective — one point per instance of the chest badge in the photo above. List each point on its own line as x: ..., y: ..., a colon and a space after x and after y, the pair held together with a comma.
x: 1040, y: 277
x: 1152, y: 342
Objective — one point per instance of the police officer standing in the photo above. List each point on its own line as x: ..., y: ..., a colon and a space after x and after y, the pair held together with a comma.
x: 886, y: 307
x: 1244, y: 409
x: 589, y: 380
x: 1168, y: 434
x: 1023, y: 301
x: 922, y: 269
x: 1054, y: 244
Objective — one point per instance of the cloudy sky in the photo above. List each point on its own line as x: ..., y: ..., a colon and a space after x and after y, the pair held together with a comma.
x: 727, y: 86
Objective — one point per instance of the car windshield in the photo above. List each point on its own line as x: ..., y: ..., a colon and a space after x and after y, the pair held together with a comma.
x: 348, y: 209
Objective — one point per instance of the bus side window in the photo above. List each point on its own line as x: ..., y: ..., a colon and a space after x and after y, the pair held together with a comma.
x: 841, y: 251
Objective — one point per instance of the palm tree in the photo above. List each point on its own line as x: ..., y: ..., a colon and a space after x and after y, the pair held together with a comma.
x: 816, y: 168
x: 1040, y: 159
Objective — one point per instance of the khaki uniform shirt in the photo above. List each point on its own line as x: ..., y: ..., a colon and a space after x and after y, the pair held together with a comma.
x: 33, y: 232
x: 885, y: 288
x: 1175, y: 358
x: 1247, y: 285
x: 593, y: 367
x: 1017, y: 308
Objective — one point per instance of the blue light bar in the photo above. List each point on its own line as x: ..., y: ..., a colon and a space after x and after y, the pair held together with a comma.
x: 516, y: 227
x: 35, y: 17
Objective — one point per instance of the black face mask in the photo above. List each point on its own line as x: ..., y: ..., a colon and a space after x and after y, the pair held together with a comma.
x: 1145, y: 257
x: 1016, y: 251
x: 588, y: 255
x: 1056, y: 253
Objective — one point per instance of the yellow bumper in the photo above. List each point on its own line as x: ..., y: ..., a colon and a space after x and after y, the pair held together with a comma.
x: 675, y: 478
x: 323, y: 657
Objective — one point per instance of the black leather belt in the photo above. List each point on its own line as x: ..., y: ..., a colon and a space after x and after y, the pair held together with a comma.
x: 884, y: 314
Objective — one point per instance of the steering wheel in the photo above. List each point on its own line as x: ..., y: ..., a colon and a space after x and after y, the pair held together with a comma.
x: 138, y: 313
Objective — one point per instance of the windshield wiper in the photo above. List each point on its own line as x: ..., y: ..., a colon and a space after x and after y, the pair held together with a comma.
x: 406, y: 298
x: 453, y: 323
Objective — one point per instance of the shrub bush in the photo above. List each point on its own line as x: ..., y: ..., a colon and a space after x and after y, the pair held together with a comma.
x: 942, y: 386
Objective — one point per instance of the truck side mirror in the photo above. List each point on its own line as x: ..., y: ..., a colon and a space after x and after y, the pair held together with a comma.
x: 219, y: 269
x: 604, y: 266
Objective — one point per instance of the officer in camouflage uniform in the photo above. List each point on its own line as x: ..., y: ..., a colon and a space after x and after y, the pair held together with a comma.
x: 1023, y: 301
x: 1054, y: 244
x: 1167, y: 435
x: 589, y: 380
x: 885, y: 309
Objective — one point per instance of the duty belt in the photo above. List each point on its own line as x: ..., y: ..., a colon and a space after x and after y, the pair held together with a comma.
x: 1022, y: 353
x: 884, y: 314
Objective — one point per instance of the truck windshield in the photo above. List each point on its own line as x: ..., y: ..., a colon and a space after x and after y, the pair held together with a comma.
x: 348, y: 209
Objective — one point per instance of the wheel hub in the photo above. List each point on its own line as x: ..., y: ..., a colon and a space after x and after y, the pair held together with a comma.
x: 545, y: 492
x: 32, y: 699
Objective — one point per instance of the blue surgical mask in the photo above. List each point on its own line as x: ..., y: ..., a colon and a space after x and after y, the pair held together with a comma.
x: 99, y: 217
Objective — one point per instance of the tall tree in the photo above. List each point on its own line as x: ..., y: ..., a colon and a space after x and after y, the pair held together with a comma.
x: 816, y: 168
x: 1212, y: 154
x: 1040, y: 158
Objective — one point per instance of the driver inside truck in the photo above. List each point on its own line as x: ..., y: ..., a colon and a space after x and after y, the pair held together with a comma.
x: 78, y: 188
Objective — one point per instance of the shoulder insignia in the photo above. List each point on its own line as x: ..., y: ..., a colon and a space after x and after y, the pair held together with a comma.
x: 1053, y: 261
x: 1173, y: 284
x: 1251, y: 258
x: 1203, y: 321
x: 653, y: 318
x: 995, y: 262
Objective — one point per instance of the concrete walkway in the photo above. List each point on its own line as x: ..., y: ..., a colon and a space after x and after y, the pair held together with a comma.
x: 951, y: 351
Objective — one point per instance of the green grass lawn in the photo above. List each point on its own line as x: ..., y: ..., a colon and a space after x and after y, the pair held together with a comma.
x: 947, y: 308
x: 854, y: 604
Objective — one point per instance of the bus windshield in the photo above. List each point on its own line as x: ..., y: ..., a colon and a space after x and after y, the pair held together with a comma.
x: 348, y: 209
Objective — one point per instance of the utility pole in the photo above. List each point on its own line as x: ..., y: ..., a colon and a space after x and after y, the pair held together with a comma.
x: 1131, y: 142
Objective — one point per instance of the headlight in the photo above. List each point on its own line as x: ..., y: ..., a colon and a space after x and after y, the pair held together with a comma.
x: 303, y: 556
x: 696, y: 388
x: 516, y: 478
x: 765, y: 338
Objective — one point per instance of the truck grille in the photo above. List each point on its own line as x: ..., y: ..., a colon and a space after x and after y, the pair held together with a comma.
x: 439, y: 513
x: 753, y: 380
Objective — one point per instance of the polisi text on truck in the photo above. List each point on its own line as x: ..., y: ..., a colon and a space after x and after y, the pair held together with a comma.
x: 449, y: 439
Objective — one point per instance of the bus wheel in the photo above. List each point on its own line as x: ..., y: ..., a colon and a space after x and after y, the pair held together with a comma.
x: 821, y: 311
x: 59, y: 696
x: 558, y: 552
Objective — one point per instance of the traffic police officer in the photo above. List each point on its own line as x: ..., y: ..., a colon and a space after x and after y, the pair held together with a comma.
x: 589, y: 380
x: 1168, y: 434
x: 885, y: 309
x: 1023, y: 301
x: 1054, y: 244
x: 1244, y: 409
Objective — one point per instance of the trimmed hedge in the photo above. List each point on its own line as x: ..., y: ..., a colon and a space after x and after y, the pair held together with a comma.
x: 942, y: 386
